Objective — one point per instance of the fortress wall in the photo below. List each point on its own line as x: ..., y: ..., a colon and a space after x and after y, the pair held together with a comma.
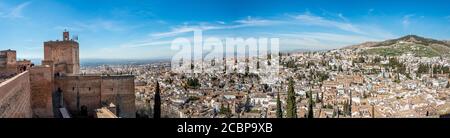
x: 63, y: 53
x: 15, y: 97
x: 97, y: 91
x: 9, y: 70
x: 59, y: 51
x: 8, y: 62
x: 80, y: 91
x: 41, y: 79
x: 120, y: 91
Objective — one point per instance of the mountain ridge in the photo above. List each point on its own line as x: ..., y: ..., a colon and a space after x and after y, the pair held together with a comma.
x: 417, y: 45
x: 408, y: 38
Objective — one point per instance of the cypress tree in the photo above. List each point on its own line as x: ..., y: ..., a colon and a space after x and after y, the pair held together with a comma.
x: 279, y: 110
x: 257, y: 64
x: 291, y: 105
x: 321, y: 97
x: 350, y: 105
x: 317, y: 98
x: 157, y: 104
x: 310, y: 107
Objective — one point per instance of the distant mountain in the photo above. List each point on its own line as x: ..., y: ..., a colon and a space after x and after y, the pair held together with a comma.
x: 419, y: 46
x: 98, y: 62
x: 362, y: 45
x: 415, y: 39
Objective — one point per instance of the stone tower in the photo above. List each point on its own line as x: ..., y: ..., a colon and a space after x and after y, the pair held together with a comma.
x: 8, y: 63
x: 63, y: 55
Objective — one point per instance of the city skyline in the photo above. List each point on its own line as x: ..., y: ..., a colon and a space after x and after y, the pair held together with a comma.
x: 137, y: 29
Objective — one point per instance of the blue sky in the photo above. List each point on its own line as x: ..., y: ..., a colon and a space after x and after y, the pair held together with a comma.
x: 140, y: 29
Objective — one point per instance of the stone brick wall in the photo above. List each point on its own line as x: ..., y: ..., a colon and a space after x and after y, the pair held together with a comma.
x: 64, y: 54
x: 15, y: 97
x: 95, y: 91
x: 120, y: 91
x: 80, y: 91
x: 41, y: 81
x: 8, y: 63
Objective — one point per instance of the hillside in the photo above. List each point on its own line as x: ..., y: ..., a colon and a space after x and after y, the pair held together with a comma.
x: 419, y: 46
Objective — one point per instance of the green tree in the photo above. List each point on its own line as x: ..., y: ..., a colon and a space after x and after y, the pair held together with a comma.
x: 340, y: 68
x: 225, y: 110
x: 247, y: 70
x: 279, y: 109
x: 317, y: 98
x: 280, y: 55
x: 228, y: 111
x: 291, y: 105
x: 193, y: 83
x: 423, y: 68
x: 257, y: 65
x: 157, y: 104
x: 310, y: 106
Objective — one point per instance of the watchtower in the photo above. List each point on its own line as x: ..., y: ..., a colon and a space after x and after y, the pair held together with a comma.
x: 63, y: 56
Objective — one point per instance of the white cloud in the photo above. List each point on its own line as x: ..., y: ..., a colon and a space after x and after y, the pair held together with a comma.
x: 331, y: 14
x: 184, y: 29
x: 305, y: 19
x: 100, y: 25
x: 204, y: 26
x: 95, y: 26
x: 406, y: 20
x: 340, y: 15
x: 255, y: 22
x: 362, y: 29
x: 321, y: 40
x: 145, y: 43
x: 377, y: 32
x: 309, y: 19
x: 302, y: 43
x: 15, y: 12
x: 151, y: 41
x: 342, y: 38
x: 221, y: 22
x: 354, y: 33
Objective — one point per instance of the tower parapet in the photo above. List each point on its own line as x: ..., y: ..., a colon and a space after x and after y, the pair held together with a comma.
x: 66, y: 36
x: 63, y: 55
